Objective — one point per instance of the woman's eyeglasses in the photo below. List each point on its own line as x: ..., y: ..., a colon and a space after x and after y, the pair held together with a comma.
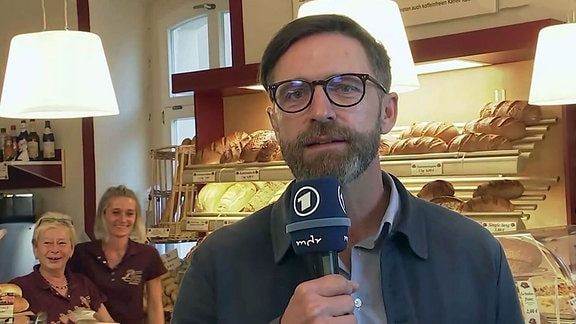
x: 343, y: 90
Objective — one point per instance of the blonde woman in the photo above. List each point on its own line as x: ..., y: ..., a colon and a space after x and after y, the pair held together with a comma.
x: 50, y: 288
x: 119, y: 265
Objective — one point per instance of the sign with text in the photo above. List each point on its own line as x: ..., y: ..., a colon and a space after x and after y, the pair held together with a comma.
x: 426, y: 168
x: 418, y: 12
x: 171, y: 260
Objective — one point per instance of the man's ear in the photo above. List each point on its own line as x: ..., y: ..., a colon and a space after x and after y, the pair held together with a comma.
x: 388, y: 112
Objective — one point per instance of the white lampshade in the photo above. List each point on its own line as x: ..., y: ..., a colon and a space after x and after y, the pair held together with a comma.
x: 57, y: 74
x: 554, y: 73
x: 383, y: 20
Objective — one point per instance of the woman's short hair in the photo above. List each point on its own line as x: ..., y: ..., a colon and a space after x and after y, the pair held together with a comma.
x: 50, y: 220
x: 100, y: 231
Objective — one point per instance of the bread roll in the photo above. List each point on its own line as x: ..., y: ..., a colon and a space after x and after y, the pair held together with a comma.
x: 270, y: 151
x: 265, y: 192
x: 236, y: 197
x: 419, y: 145
x: 472, y: 142
x: 440, y: 129
x: 257, y: 140
x: 436, y: 188
x: 10, y: 288
x: 452, y: 203
x: 507, y: 189
x: 518, y: 109
x: 508, y: 127
x: 232, y: 154
x: 210, y: 195
x: 212, y: 153
x: 20, y: 304
x: 523, y: 256
x: 487, y: 204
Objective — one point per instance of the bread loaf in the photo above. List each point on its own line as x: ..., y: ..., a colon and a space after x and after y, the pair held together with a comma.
x: 487, y: 204
x: 522, y: 256
x: 442, y: 130
x: 519, y: 109
x: 452, y: 203
x: 270, y: 151
x: 507, y: 189
x: 508, y: 127
x: 257, y: 140
x: 419, y: 145
x: 436, y: 188
x: 212, y: 153
x: 472, y: 142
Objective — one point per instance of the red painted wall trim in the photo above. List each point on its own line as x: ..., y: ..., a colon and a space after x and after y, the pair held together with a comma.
x: 568, y: 122
x: 88, y: 156
x: 237, y: 31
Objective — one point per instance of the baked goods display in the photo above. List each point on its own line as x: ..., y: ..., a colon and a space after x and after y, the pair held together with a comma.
x: 440, y: 129
x: 419, y: 145
x: 487, y: 204
x: 11, y: 294
x: 505, y: 188
x: 472, y: 142
x: 449, y: 202
x: 523, y: 256
x: 552, y: 291
x: 212, y: 153
x: 233, y: 197
x: 508, y: 127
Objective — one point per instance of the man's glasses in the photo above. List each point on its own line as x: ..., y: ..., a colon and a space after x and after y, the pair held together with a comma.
x: 53, y: 220
x: 343, y: 90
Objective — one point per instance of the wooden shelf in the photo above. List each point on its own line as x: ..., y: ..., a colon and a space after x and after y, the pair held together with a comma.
x: 35, y: 174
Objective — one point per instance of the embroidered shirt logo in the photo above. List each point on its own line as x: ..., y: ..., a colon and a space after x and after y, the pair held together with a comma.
x: 133, y: 277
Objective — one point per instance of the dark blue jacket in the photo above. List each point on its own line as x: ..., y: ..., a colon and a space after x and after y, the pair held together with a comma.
x: 437, y: 267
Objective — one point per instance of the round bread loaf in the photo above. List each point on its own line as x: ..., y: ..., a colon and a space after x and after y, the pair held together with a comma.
x: 212, y: 153
x: 419, y: 145
x: 523, y: 256
x: 257, y: 140
x: 10, y: 288
x: 519, y: 109
x: 440, y: 129
x: 436, y: 188
x: 452, y: 203
x: 487, y: 204
x: 508, y: 127
x: 270, y: 151
x: 507, y: 189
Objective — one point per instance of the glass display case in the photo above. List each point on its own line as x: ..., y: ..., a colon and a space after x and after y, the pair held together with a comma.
x: 543, y: 262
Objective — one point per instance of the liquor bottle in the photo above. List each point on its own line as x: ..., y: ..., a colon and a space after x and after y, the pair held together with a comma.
x: 22, y: 143
x: 33, y: 141
x: 48, y: 144
x: 8, y: 147
x: 14, y: 141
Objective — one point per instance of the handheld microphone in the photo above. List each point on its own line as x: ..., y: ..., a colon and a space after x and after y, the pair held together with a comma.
x: 318, y: 224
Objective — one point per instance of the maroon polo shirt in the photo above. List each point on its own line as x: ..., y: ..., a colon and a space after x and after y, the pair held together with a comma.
x: 43, y: 298
x: 123, y: 285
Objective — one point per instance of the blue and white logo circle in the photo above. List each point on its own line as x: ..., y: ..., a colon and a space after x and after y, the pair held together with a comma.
x: 341, y: 199
x: 306, y: 201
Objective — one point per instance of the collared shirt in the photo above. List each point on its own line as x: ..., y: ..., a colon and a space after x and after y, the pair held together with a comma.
x: 365, y: 264
x: 43, y: 298
x: 124, y: 285
x: 437, y: 266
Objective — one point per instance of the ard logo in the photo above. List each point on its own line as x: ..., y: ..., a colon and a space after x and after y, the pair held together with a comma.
x: 306, y: 201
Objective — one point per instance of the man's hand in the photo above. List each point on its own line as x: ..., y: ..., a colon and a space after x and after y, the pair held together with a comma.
x: 324, y: 300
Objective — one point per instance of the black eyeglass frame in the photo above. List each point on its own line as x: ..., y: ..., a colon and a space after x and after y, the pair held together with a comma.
x: 362, y: 76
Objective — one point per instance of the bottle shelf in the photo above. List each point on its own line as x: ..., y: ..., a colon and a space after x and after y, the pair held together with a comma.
x: 34, y: 174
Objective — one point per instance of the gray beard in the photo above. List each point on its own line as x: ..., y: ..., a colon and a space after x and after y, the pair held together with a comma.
x: 345, y: 166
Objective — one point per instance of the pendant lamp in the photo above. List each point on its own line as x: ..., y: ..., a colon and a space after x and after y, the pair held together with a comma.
x: 554, y: 68
x: 57, y: 74
x: 382, y: 19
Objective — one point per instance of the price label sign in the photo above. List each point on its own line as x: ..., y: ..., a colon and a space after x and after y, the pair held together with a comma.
x: 3, y: 171
x: 196, y: 225
x: 204, y: 176
x: 171, y: 260
x: 496, y: 227
x: 158, y: 232
x: 6, y: 305
x: 528, y: 300
x: 247, y: 175
x: 427, y: 168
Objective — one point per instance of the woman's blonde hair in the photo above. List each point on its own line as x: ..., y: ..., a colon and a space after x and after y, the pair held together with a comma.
x: 138, y: 231
x: 50, y: 220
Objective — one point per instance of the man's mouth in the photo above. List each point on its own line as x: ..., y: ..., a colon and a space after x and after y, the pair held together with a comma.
x: 323, y: 141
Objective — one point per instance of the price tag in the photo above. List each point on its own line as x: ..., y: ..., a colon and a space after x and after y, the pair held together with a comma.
x: 247, y: 175
x: 196, y: 225
x: 495, y: 227
x: 158, y: 232
x: 6, y: 305
x: 426, y: 168
x: 3, y: 171
x: 171, y: 260
x: 204, y: 176
x: 527, y: 298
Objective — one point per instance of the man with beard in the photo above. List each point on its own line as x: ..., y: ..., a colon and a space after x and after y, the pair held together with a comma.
x: 406, y: 261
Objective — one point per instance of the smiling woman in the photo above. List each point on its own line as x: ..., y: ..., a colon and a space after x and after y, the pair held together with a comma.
x: 49, y: 287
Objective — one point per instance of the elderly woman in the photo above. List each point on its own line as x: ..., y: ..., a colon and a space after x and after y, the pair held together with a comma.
x: 119, y: 265
x: 50, y: 288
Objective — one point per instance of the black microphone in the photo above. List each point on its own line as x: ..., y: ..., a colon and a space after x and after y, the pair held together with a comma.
x: 318, y: 224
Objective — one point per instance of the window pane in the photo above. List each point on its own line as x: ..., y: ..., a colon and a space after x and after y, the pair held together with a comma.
x: 182, y: 128
x: 189, y: 46
x: 225, y: 40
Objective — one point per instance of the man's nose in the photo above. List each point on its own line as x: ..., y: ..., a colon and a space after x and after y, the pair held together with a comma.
x: 320, y: 107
